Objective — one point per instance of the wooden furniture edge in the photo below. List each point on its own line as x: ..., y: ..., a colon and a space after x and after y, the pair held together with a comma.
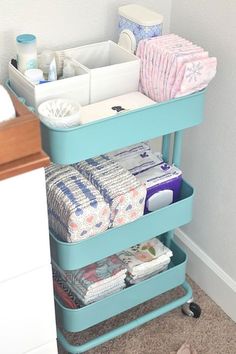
x: 30, y: 155
x: 24, y: 165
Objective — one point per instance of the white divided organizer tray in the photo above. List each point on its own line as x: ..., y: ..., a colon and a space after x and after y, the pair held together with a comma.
x: 113, y: 70
x: 75, y: 88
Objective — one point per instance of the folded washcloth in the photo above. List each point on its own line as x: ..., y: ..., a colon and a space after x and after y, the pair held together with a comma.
x: 63, y: 292
x: 76, y: 209
x: 131, y: 280
x: 145, y: 258
x: 96, y: 280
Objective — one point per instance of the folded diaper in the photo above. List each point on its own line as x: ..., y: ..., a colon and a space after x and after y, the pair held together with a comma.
x: 76, y: 209
x: 96, y: 280
x: 145, y: 259
x: 172, y: 66
x: 119, y: 188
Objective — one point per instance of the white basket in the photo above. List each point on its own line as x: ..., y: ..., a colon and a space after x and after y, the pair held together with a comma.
x: 113, y: 70
x: 75, y: 88
x: 59, y: 113
x: 104, y: 70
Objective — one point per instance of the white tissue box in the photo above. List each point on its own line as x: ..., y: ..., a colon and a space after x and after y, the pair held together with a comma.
x: 75, y: 88
x: 114, y: 106
x: 113, y: 70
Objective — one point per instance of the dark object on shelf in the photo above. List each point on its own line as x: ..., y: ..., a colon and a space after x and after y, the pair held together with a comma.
x: 14, y: 63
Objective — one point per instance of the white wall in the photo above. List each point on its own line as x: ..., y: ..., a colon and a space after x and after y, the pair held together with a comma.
x: 60, y: 24
x: 209, y: 150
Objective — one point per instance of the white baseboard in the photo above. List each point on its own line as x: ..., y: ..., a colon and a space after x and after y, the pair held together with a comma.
x: 209, y: 276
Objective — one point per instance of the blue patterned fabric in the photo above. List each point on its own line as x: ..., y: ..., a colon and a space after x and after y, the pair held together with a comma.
x: 139, y: 31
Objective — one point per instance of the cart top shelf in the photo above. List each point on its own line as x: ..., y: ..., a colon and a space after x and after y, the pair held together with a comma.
x: 66, y: 146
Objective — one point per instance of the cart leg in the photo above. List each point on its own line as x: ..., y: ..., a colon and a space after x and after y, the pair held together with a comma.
x: 75, y: 349
x: 166, y: 147
x: 169, y: 237
x: 177, y: 148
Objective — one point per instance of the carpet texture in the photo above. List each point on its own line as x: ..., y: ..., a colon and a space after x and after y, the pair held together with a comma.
x: 213, y: 333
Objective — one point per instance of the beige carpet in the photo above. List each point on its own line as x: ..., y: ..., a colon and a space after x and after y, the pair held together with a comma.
x: 213, y: 333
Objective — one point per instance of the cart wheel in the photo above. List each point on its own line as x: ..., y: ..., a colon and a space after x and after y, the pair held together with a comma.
x: 192, y: 310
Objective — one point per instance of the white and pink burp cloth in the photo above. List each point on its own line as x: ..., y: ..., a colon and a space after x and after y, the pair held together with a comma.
x: 172, y: 66
x: 120, y: 189
x: 76, y: 209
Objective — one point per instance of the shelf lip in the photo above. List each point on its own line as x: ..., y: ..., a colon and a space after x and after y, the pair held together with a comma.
x: 133, y: 111
x: 26, y: 164
x: 67, y: 146
x: 76, y: 255
x: 74, y: 320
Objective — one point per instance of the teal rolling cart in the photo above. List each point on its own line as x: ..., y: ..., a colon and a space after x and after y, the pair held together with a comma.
x: 66, y: 146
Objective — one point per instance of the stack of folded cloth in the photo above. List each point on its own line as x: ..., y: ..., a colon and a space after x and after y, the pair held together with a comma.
x: 95, y: 281
x: 63, y: 293
x: 76, y: 209
x: 120, y: 189
x: 172, y: 66
x: 145, y: 260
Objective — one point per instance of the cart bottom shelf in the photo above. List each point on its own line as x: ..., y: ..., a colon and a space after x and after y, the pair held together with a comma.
x: 74, y: 349
x: 76, y: 320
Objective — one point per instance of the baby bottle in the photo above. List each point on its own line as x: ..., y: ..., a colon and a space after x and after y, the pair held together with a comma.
x: 26, y: 52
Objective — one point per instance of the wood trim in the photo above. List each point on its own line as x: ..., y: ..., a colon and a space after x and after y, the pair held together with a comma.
x: 20, y: 143
x: 19, y: 107
x: 19, y: 137
x: 23, y: 165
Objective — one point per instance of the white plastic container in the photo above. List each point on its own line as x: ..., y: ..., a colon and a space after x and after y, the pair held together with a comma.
x: 137, y: 22
x: 59, y: 113
x: 75, y: 88
x: 113, y: 70
x: 26, y: 48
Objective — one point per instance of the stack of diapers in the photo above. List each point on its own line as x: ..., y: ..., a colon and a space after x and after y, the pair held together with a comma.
x: 162, y: 181
x: 95, y: 281
x: 137, y: 158
x: 119, y: 188
x: 145, y: 260
x: 172, y: 66
x: 76, y: 209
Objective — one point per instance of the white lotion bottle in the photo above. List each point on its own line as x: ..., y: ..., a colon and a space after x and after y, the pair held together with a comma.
x: 26, y: 52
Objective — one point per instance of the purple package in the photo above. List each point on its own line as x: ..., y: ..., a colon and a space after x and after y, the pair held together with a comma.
x: 163, y: 183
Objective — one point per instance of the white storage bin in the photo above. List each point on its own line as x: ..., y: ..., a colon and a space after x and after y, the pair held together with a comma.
x: 75, y: 88
x: 113, y: 70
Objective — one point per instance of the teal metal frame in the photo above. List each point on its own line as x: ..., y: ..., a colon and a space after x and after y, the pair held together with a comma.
x: 74, y: 349
x: 66, y: 146
x: 162, y: 278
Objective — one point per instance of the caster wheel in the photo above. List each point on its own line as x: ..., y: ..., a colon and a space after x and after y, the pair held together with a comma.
x: 192, y: 310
